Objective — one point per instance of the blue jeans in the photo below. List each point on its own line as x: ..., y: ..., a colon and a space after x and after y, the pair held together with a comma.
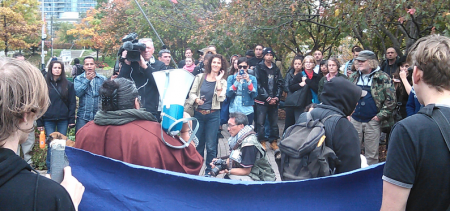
x: 50, y: 127
x: 207, y: 136
x: 80, y: 123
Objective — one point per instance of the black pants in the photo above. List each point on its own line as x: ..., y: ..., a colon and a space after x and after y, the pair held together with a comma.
x: 292, y: 114
x: 272, y: 112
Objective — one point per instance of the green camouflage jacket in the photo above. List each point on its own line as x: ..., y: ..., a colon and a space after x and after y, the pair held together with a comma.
x: 383, y: 92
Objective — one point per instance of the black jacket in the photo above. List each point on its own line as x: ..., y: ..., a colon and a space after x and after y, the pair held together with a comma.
x: 390, y: 70
x: 59, y: 109
x: 340, y: 97
x: 253, y: 62
x: 264, y: 92
x: 145, y: 83
x: 20, y: 189
x: 200, y: 68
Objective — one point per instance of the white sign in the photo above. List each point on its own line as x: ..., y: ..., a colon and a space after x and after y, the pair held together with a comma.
x: 66, y: 55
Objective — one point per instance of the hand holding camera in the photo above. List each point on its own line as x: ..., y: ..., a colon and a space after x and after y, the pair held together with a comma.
x: 219, y: 166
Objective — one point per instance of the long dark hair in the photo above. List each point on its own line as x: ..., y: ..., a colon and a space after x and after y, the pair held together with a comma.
x: 399, y: 85
x: 223, y: 63
x: 62, y: 80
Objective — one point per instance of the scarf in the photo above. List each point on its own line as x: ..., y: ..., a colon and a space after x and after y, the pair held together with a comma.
x: 189, y: 68
x: 232, y: 141
x: 122, y: 117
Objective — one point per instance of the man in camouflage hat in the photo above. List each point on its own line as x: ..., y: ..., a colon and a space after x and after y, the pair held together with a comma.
x: 373, y: 111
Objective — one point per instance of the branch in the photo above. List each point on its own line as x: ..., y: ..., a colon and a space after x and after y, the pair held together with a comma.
x: 390, y: 35
x: 289, y: 48
x: 404, y: 30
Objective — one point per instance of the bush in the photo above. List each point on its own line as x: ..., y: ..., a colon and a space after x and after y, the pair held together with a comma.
x: 101, y: 64
x: 38, y: 155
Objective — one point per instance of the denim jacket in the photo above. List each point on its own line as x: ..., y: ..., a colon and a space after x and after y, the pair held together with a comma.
x: 248, y: 97
x: 87, y: 92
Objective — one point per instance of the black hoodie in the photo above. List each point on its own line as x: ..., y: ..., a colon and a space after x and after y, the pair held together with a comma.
x: 21, y: 189
x: 340, y: 97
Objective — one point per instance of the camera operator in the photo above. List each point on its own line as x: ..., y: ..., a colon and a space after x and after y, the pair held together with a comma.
x: 247, y: 160
x: 141, y: 73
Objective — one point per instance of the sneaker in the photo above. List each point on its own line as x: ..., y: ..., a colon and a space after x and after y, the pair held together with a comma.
x: 274, y: 145
x: 263, y: 143
x: 219, y: 135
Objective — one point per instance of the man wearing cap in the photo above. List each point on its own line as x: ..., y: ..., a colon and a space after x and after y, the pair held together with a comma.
x: 270, y: 88
x: 339, y: 97
x: 373, y: 110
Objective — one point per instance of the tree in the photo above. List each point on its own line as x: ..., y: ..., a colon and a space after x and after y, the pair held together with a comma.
x: 87, y: 32
x: 19, y: 20
x: 61, y: 34
x: 391, y: 23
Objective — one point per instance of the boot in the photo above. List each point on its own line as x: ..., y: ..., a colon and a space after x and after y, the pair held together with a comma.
x: 274, y: 145
x: 263, y: 143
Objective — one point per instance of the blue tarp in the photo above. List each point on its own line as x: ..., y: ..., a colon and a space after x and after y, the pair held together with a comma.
x: 115, y: 185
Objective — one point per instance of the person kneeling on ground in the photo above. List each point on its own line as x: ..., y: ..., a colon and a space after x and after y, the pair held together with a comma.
x: 247, y: 160
x: 123, y: 131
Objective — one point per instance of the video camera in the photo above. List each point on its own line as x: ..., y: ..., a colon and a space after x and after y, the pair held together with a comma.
x: 133, y: 48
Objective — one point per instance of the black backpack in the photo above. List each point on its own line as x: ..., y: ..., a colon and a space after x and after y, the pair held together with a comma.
x: 80, y: 70
x: 304, y: 154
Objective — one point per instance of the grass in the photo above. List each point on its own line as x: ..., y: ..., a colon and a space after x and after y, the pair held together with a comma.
x: 87, y: 52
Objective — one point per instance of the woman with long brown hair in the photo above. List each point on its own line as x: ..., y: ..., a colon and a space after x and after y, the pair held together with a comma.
x: 208, y: 91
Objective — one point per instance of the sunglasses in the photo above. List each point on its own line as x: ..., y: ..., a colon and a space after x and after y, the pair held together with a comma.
x: 242, y: 67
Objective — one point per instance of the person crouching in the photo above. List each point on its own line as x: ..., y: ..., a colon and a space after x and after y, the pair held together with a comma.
x: 247, y: 160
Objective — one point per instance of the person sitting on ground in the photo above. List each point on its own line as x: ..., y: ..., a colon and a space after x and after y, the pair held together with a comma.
x: 339, y: 96
x: 24, y: 98
x: 247, y: 160
x: 123, y: 131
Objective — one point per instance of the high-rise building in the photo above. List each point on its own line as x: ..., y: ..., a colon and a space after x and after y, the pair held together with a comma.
x: 55, y: 8
x: 64, y: 11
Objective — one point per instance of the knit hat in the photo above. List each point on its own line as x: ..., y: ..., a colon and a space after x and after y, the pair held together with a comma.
x: 268, y: 50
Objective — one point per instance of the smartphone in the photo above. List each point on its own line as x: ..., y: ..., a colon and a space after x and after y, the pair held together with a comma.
x: 203, y: 98
x: 241, y: 72
x: 397, y: 80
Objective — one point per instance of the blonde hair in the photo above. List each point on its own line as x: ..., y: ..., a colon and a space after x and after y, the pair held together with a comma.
x: 431, y: 55
x: 311, y: 58
x: 22, y: 90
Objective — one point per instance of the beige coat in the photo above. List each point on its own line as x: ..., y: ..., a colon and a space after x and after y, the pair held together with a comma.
x: 217, y: 98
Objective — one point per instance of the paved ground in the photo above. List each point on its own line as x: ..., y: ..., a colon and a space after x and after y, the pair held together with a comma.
x: 223, y: 149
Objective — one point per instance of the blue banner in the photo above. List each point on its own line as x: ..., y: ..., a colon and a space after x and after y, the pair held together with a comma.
x: 115, y: 185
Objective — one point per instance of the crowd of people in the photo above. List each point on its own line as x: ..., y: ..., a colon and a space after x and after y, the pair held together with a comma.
x: 120, y: 117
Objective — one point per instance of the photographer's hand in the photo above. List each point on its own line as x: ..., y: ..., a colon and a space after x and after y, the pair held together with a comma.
x: 73, y: 187
x: 143, y: 63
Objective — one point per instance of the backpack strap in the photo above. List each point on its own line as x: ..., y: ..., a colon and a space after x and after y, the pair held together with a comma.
x: 436, y: 114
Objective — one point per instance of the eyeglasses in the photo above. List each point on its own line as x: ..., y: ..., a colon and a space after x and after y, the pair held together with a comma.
x: 243, y: 67
x: 231, y: 125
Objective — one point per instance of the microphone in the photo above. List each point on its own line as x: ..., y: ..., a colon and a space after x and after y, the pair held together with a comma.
x: 128, y: 46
